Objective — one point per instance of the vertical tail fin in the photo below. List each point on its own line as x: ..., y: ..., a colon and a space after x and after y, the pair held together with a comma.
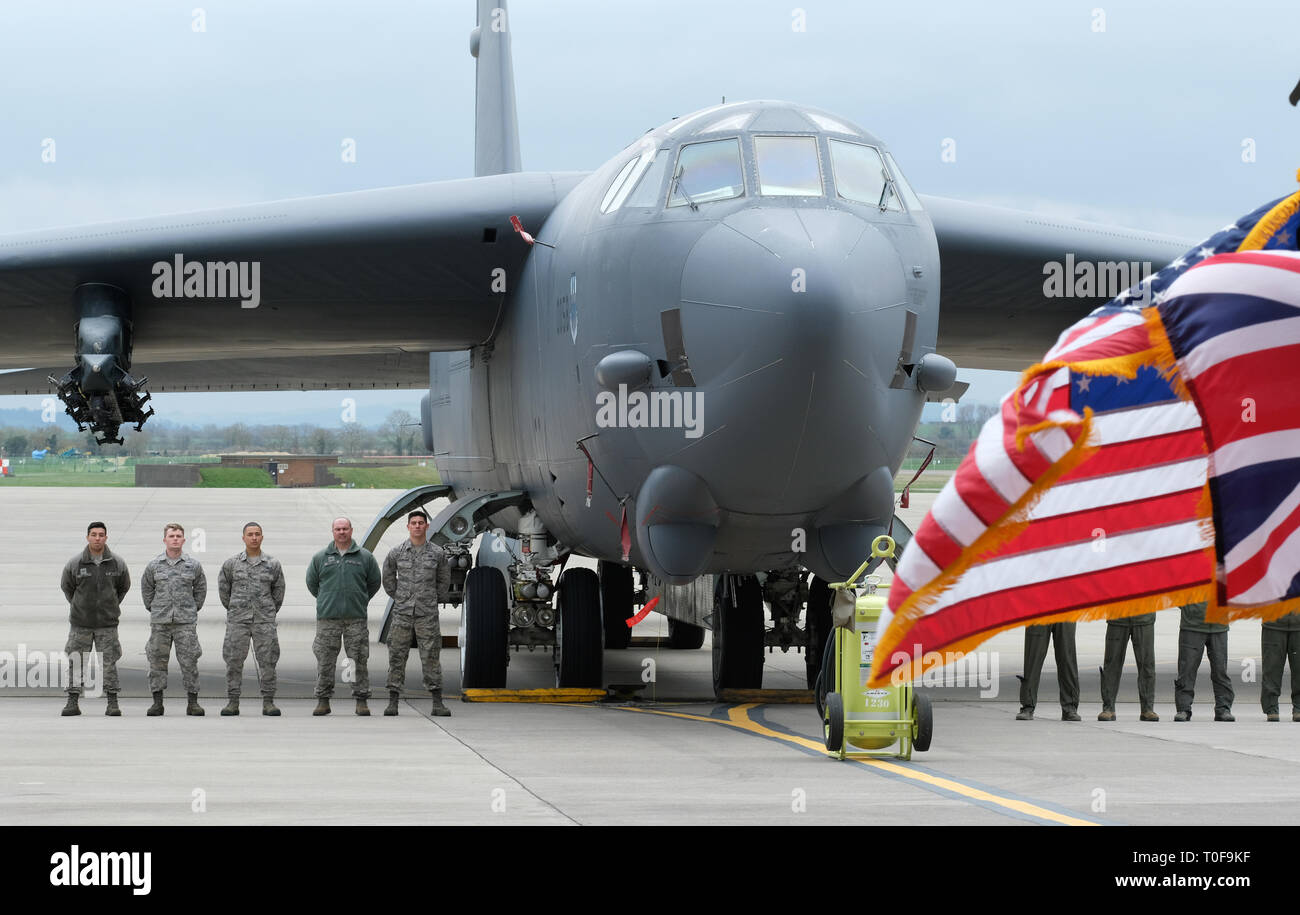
x: 496, y: 126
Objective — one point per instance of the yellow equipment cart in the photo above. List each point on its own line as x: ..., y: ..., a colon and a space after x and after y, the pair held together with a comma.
x: 890, y: 721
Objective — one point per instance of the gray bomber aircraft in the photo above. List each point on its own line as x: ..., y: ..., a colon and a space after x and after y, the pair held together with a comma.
x: 707, y: 368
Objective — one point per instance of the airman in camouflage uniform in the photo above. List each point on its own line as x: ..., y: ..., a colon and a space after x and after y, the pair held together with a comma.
x: 342, y: 577
x: 173, y: 588
x: 416, y: 577
x: 94, y: 582
x: 251, y: 586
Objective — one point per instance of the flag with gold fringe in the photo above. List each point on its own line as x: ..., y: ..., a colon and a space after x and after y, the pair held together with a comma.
x: 1123, y: 475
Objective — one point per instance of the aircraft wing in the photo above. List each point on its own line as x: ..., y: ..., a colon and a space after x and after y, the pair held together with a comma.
x: 993, y: 313
x: 353, y: 290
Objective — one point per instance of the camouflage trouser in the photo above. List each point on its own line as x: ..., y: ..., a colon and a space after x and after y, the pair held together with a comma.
x: 355, y: 638
x: 266, y: 651
x: 428, y: 637
x: 159, y: 649
x: 81, y: 639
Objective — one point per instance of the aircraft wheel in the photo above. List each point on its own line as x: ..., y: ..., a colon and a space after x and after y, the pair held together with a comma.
x: 833, y: 726
x: 738, y: 635
x: 579, y: 643
x: 817, y: 625
x: 922, y: 722
x: 684, y: 635
x: 615, y: 602
x: 484, y: 630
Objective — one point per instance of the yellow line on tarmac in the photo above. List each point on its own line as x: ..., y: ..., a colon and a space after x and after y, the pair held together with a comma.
x: 738, y: 717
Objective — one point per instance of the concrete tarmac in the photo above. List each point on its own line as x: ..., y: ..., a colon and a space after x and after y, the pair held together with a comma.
x: 676, y: 757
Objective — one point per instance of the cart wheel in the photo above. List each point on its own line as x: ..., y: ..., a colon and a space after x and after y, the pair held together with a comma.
x: 834, y: 724
x: 922, y: 722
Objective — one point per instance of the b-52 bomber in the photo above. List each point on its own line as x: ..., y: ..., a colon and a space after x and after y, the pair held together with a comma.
x: 703, y: 362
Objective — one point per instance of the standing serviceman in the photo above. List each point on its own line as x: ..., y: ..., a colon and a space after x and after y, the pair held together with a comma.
x: 1067, y: 669
x: 251, y: 586
x: 416, y: 577
x: 173, y: 588
x: 1142, y: 631
x: 342, y: 577
x: 94, y: 582
x: 1280, y: 644
x: 1197, y: 637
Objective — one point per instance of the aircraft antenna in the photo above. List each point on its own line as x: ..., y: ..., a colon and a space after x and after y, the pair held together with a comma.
x: 496, y: 125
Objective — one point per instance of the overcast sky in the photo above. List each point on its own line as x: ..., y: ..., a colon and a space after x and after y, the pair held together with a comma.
x: 1169, y: 116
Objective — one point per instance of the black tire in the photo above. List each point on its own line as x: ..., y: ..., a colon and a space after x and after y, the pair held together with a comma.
x: 615, y: 602
x: 738, y: 635
x: 579, y: 631
x: 817, y: 624
x: 484, y: 630
x: 833, y: 727
x: 684, y: 635
x: 924, y: 715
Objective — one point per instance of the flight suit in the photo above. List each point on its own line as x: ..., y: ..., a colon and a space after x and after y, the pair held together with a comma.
x: 1280, y: 645
x: 1142, y: 631
x: 1067, y: 665
x: 1196, y: 636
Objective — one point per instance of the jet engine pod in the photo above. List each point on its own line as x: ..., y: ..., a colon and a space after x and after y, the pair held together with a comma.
x: 843, y: 531
x: 677, y: 524
x: 935, y: 374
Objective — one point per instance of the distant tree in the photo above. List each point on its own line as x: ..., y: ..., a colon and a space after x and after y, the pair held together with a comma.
x: 238, y: 436
x: 278, y: 438
x: 16, y: 445
x: 399, y: 430
x: 352, y: 438
x: 321, y: 441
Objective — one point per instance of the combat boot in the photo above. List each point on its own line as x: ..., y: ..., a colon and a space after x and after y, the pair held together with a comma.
x: 322, y: 706
x: 72, y: 708
x: 362, y: 709
x: 268, y: 707
x: 157, y: 707
x: 112, y: 710
x: 193, y: 707
x: 232, y: 707
x: 393, y: 698
x: 439, y: 710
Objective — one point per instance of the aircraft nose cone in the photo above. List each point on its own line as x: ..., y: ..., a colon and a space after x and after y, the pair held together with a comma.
x: 792, y: 320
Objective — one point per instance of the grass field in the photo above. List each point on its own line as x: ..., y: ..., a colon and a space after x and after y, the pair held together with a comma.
x: 123, y: 477
x: 235, y: 478
x: 406, y: 476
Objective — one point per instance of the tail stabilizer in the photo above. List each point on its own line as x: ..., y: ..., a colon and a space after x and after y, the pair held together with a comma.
x: 496, y: 125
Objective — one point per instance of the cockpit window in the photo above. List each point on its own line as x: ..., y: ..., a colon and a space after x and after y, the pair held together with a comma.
x: 617, y: 185
x: 913, y: 201
x: 706, y: 172
x: 788, y: 167
x: 860, y: 175
x: 646, y: 191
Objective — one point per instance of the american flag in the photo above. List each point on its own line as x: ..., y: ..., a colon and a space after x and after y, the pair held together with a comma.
x: 1233, y: 324
x: 1083, y: 498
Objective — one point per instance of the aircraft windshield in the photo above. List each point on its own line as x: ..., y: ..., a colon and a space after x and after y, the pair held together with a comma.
x: 788, y: 167
x: 860, y: 175
x: 707, y: 171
